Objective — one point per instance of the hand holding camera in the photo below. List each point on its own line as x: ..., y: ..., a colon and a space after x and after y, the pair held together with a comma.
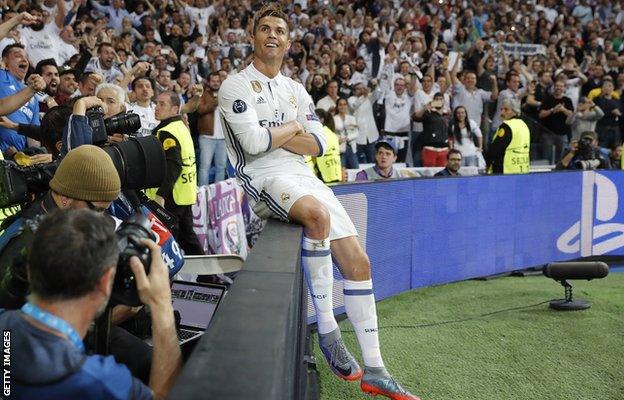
x: 83, y: 104
x: 152, y: 287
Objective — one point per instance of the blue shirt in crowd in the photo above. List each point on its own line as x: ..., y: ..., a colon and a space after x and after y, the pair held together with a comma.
x: 26, y: 114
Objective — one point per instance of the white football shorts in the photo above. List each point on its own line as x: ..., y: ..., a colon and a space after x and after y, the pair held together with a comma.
x: 279, y: 193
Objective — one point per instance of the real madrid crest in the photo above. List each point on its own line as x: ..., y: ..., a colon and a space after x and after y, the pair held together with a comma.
x: 292, y: 101
x: 285, y: 197
x: 256, y: 86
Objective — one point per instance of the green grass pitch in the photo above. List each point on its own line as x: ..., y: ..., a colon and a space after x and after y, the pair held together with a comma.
x: 524, y: 352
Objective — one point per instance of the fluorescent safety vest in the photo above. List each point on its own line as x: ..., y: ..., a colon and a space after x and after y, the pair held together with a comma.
x: 329, y: 164
x: 185, y: 187
x: 516, y: 159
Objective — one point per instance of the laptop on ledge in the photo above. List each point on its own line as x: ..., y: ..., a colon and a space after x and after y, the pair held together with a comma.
x: 197, y: 304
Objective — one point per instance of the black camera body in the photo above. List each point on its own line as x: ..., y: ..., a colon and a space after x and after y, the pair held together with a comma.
x: 587, y: 159
x: 585, y: 149
x: 14, y: 286
x: 129, y: 236
x: 17, y: 183
x: 139, y: 161
x: 126, y: 124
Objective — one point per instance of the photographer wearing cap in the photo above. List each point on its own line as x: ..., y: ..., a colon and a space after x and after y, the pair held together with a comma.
x: 509, y: 151
x: 178, y: 191
x: 72, y: 266
x: 584, y: 154
x: 85, y: 178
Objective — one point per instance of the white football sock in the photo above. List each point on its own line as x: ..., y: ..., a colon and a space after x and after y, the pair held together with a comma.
x: 359, y: 303
x: 317, y: 264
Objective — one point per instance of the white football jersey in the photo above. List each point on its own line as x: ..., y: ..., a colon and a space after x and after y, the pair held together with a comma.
x: 250, y: 103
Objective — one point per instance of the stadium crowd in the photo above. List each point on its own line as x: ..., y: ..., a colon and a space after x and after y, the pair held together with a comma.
x: 430, y: 75
x: 432, y: 84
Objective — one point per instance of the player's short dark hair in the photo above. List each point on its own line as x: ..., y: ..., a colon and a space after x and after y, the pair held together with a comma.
x: 270, y: 10
x: 70, y: 252
x: 10, y: 47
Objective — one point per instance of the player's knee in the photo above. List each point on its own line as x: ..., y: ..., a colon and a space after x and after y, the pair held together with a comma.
x: 318, y: 218
x: 357, y: 267
x: 362, y: 267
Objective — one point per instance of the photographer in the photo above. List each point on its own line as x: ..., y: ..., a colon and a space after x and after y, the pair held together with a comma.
x: 584, y: 154
x: 115, y: 99
x: 77, y: 131
x: 85, y: 178
x: 72, y: 267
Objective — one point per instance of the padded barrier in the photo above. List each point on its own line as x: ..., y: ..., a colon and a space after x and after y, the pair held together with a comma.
x: 254, y: 346
x: 430, y: 231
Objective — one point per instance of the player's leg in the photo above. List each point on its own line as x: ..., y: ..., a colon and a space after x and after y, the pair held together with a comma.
x: 358, y: 296
x: 360, y: 306
x: 318, y: 267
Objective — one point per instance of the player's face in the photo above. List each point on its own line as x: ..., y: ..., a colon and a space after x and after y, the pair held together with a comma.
x: 271, y: 39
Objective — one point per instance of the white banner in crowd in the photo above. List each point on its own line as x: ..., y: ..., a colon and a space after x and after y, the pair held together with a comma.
x: 522, y: 49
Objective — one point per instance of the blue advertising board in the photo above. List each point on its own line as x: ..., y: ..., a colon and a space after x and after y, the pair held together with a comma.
x: 430, y: 231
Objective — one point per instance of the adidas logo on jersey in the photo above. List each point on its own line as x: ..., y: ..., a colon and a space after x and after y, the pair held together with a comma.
x: 260, y: 100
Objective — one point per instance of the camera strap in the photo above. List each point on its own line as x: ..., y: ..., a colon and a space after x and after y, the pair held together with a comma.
x: 54, y: 322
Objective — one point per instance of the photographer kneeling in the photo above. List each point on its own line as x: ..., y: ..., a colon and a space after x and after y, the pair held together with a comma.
x: 584, y: 154
x: 72, y: 266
